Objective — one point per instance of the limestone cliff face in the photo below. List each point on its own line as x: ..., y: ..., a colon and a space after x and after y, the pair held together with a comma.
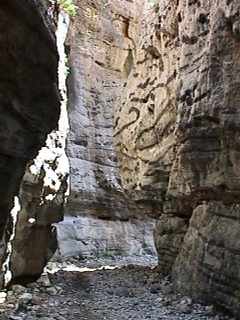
x: 101, y: 57
x: 177, y: 135
x: 29, y: 97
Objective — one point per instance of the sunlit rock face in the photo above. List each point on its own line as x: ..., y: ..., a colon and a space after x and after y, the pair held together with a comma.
x: 177, y: 135
x: 102, y: 42
x: 91, y: 237
x: 29, y: 97
x: 99, y: 50
x: 145, y: 120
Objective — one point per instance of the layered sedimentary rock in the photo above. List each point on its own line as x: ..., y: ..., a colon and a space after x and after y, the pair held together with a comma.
x: 208, y: 264
x: 29, y: 97
x: 100, y: 218
x: 177, y: 134
x: 145, y: 121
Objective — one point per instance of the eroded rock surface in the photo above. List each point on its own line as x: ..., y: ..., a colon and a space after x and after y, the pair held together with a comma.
x: 100, y: 219
x: 29, y: 98
x: 44, y: 188
x: 208, y: 263
x: 88, y: 237
x: 177, y: 135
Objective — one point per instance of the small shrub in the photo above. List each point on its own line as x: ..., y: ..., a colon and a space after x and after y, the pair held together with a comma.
x: 68, y: 6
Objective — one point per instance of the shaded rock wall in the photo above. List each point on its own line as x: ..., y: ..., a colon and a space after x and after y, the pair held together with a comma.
x: 208, y: 264
x: 29, y: 97
x: 45, y: 186
x: 101, y: 54
x: 177, y: 130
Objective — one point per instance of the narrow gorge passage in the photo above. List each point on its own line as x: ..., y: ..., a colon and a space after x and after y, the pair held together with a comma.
x: 130, y: 111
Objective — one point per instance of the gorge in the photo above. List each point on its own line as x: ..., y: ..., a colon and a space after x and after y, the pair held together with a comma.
x: 151, y: 170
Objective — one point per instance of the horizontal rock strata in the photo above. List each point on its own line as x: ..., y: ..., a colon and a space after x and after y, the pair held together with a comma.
x: 177, y: 134
x: 101, y: 53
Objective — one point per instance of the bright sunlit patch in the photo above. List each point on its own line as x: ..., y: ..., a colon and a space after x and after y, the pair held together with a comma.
x: 52, y: 158
x: 74, y: 268
x: 6, y: 265
x: 32, y: 220
x: 3, y: 297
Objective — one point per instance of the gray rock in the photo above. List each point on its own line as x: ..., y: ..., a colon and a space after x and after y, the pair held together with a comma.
x: 18, y: 289
x: 25, y: 298
x: 36, y: 300
x: 44, y: 281
x: 100, y: 219
x: 177, y: 136
x: 52, y: 290
x: 184, y: 308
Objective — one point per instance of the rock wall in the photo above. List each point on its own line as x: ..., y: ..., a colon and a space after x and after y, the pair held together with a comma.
x: 44, y: 188
x: 175, y: 65
x: 177, y: 135
x: 29, y: 98
x: 145, y: 121
x: 100, y: 58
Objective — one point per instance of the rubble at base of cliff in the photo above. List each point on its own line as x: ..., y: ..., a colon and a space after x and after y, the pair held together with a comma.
x: 126, y: 292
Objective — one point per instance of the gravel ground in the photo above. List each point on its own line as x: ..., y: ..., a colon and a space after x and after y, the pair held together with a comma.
x: 130, y: 292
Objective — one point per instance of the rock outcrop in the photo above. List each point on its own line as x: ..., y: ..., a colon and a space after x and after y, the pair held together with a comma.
x: 44, y: 189
x: 100, y: 219
x: 177, y: 134
x: 29, y: 98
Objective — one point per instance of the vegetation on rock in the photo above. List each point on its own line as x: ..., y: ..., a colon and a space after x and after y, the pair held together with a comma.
x: 68, y: 6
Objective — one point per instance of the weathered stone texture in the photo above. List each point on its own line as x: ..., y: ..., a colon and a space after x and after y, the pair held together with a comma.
x: 102, y: 42
x: 98, y: 52
x: 35, y: 239
x: 208, y: 264
x: 89, y: 237
x: 169, y: 234
x: 29, y: 97
x: 145, y: 118
x: 177, y: 134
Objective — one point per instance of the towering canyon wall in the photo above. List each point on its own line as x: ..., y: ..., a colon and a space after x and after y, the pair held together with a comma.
x: 29, y: 101
x: 175, y: 65
x: 100, y: 219
x: 44, y: 188
x: 177, y: 134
